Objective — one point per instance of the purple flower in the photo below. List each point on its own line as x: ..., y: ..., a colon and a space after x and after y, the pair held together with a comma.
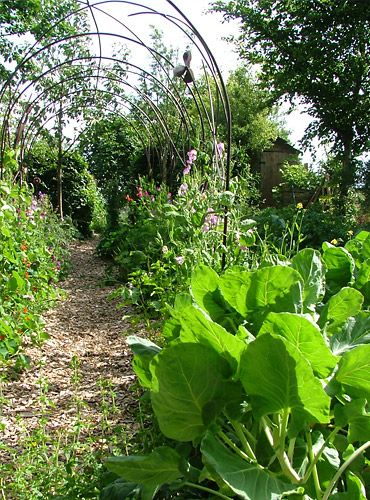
x: 192, y: 155
x: 180, y: 260
x: 183, y: 188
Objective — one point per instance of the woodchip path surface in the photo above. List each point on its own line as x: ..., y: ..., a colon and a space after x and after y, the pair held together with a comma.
x: 84, y: 326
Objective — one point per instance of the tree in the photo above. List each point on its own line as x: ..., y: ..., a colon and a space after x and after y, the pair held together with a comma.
x: 109, y: 148
x: 254, y: 122
x: 318, y: 51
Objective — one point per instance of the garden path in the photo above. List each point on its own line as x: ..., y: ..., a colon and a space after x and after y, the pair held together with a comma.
x: 85, y: 325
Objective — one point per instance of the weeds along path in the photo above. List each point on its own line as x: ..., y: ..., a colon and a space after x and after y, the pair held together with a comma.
x: 79, y: 368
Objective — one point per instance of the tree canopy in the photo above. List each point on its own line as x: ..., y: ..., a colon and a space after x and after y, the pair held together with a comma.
x: 319, y: 52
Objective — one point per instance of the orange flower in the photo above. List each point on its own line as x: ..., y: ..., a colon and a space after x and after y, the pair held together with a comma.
x: 25, y: 310
x: 27, y: 318
x: 28, y: 265
x: 27, y: 274
x: 6, y: 298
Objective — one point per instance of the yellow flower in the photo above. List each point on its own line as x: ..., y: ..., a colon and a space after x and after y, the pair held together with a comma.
x: 299, y: 206
x: 350, y: 232
x: 334, y: 242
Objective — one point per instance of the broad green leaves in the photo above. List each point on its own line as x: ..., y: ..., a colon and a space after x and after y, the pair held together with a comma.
x: 278, y: 378
x: 347, y: 302
x: 354, y: 372
x: 255, y: 360
x: 151, y: 471
x: 247, y: 481
x: 189, y: 389
x: 305, y: 336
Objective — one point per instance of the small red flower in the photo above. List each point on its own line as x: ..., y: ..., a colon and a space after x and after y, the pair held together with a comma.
x: 2, y: 337
x: 27, y: 275
x: 6, y: 298
x: 27, y: 318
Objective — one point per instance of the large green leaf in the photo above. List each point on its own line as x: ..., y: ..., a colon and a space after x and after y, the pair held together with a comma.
x: 277, y: 377
x: 230, y: 284
x: 354, y: 372
x: 119, y: 489
x: 141, y: 346
x: 340, y: 265
x: 144, y: 351
x: 274, y: 288
x: 246, y: 480
x: 355, y: 332
x: 305, y: 336
x: 162, y: 466
x: 355, y: 247
x: 189, y: 389
x: 309, y: 265
x: 196, y: 327
x: 347, y: 302
x: 204, y: 282
x: 354, y: 414
x: 363, y: 280
x: 204, y: 288
x: 268, y: 285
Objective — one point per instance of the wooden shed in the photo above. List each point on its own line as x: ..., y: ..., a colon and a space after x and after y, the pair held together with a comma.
x: 270, y: 163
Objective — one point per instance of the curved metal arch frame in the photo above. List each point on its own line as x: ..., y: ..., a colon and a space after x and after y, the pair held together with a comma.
x: 176, y: 100
x: 183, y: 23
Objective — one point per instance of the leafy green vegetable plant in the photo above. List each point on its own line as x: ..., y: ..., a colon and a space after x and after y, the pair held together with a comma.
x: 263, y: 384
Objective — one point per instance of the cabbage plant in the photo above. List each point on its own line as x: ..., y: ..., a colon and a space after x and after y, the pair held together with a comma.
x: 263, y: 385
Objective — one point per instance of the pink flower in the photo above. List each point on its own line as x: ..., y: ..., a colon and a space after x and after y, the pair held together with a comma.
x: 147, y: 194
x: 220, y: 148
x: 183, y: 189
x: 186, y: 170
x: 192, y: 155
x: 180, y: 260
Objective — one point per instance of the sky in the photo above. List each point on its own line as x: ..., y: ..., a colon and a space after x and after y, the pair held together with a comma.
x: 211, y: 29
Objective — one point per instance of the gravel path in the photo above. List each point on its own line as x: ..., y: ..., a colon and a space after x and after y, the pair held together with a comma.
x: 85, y: 327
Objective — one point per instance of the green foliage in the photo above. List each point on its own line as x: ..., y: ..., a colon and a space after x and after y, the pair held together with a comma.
x: 81, y: 198
x: 273, y: 401
x: 109, y: 148
x: 253, y: 126
x: 278, y: 226
x: 166, y: 234
x: 314, y: 51
x: 32, y: 254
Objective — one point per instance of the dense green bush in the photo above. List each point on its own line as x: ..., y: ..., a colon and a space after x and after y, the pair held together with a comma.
x: 316, y: 225
x: 32, y: 254
x: 164, y: 234
x: 81, y: 199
